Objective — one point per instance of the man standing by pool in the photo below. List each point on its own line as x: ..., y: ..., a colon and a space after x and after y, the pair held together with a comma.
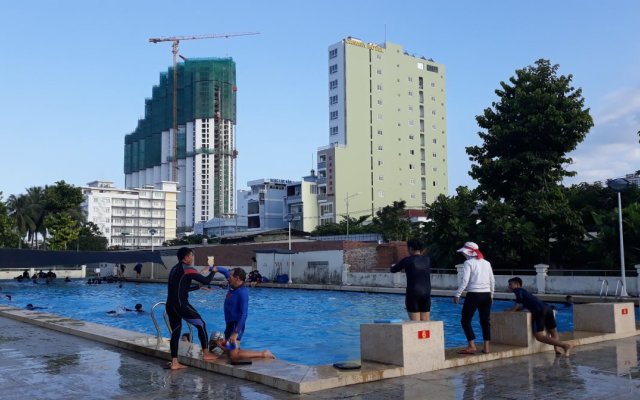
x: 180, y: 283
x: 418, y: 270
x: 236, y: 309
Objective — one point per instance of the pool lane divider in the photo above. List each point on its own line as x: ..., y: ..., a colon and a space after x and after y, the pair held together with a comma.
x: 388, y: 350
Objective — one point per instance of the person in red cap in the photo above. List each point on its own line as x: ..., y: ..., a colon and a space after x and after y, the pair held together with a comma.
x: 478, y: 280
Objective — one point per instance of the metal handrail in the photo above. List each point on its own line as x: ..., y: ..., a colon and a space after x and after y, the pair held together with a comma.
x: 166, y: 321
x: 620, y: 285
x: 602, y: 287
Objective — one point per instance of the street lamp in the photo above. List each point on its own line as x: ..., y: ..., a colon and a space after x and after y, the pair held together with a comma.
x: 618, y: 185
x: 346, y: 199
x: 289, y: 219
x: 152, y: 232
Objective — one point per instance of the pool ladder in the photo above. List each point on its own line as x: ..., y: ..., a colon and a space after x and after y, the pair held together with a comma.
x: 620, y: 285
x: 604, y: 287
x: 166, y: 321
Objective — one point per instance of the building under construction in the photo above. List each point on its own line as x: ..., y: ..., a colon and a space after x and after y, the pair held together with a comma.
x: 205, y: 143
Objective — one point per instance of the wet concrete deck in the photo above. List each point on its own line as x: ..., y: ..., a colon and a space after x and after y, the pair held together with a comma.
x: 38, y: 363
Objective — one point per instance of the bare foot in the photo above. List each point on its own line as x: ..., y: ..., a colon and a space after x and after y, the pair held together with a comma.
x: 209, y: 356
x: 486, y: 351
x: 567, y: 349
x: 176, y: 365
x: 267, y: 354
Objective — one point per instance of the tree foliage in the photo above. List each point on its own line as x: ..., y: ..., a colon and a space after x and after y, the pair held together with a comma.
x: 538, y: 119
x: 64, y: 230
x: 90, y: 238
x: 189, y: 240
x: 8, y: 236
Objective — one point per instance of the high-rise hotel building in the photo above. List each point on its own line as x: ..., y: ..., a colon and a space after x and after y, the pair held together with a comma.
x: 387, y: 131
x: 205, y: 140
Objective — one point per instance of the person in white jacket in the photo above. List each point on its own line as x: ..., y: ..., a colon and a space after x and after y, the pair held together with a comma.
x: 478, y: 280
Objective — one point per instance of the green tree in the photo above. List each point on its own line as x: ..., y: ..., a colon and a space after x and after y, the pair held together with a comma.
x: 90, y: 238
x: 188, y: 240
x: 21, y: 214
x: 64, y: 230
x: 36, y: 198
x: 539, y: 118
x: 356, y: 226
x: 392, y: 222
x: 62, y: 198
x: 8, y: 236
x: 452, y: 221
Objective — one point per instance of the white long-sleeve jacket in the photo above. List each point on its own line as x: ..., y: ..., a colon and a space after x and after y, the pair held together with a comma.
x: 477, y: 276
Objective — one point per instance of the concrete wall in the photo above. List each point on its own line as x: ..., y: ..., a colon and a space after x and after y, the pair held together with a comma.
x: 306, y: 267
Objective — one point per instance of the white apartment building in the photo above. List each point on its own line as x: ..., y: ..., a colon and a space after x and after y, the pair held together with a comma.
x: 132, y: 218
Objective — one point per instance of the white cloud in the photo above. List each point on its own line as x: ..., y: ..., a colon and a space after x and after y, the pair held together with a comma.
x: 611, y: 148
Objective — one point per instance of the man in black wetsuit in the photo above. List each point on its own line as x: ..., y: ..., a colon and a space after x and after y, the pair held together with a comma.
x: 418, y: 270
x: 180, y: 283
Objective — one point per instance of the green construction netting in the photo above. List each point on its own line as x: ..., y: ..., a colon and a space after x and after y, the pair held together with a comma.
x: 204, y: 85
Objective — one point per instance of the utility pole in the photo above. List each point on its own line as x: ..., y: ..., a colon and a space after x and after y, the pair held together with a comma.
x: 174, y: 50
x: 346, y: 199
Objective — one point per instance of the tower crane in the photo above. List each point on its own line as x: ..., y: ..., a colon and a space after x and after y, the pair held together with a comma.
x: 175, y: 40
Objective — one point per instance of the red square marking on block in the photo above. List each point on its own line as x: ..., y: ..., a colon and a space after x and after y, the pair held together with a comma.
x: 625, y: 311
x: 426, y: 334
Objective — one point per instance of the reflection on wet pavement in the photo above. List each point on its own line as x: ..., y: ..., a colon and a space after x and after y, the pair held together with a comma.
x: 43, y: 364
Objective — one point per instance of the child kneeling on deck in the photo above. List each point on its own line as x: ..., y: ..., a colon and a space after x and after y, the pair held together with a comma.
x: 542, y: 316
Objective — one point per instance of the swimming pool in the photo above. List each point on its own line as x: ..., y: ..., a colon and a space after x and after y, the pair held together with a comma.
x: 304, y: 326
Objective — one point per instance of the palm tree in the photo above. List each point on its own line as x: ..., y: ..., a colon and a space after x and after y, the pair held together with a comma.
x: 37, y: 208
x: 20, y: 212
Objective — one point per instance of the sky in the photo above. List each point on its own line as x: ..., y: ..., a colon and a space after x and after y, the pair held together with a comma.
x: 75, y: 74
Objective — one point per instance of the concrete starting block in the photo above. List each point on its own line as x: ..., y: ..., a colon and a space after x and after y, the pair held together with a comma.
x: 515, y: 329
x: 605, y: 317
x: 416, y: 346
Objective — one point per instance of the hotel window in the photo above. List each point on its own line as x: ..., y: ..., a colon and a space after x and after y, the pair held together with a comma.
x: 381, y: 178
x: 333, y: 53
x: 412, y: 152
x: 420, y: 65
x: 380, y: 162
x: 333, y: 99
x: 333, y: 69
x: 379, y: 87
x: 432, y: 68
x: 412, y: 181
x: 379, y: 101
x: 380, y: 194
x: 379, y: 131
x: 379, y: 72
x: 334, y: 130
x: 333, y: 84
x: 333, y: 115
x: 380, y: 148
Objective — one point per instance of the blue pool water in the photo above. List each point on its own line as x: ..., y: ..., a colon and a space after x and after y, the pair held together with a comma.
x: 303, y: 326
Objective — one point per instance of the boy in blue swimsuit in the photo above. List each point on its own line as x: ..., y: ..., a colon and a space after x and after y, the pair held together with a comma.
x: 542, y: 316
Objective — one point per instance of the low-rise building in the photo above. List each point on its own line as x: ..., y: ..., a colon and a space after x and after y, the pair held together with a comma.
x: 132, y: 218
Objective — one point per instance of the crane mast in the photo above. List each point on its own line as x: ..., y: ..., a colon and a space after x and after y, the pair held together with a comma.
x: 175, y: 43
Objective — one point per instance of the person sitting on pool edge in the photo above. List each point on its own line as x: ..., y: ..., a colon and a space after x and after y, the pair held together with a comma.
x: 219, y: 346
x: 236, y: 309
x: 542, y: 316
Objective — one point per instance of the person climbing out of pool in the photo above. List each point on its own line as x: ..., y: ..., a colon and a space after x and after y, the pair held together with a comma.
x: 418, y: 270
x: 236, y: 310
x: 180, y: 283
x: 542, y: 316
x: 478, y: 280
x: 218, y: 345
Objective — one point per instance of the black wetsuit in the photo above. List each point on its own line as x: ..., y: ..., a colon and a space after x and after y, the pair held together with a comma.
x: 418, y: 294
x: 178, y: 307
